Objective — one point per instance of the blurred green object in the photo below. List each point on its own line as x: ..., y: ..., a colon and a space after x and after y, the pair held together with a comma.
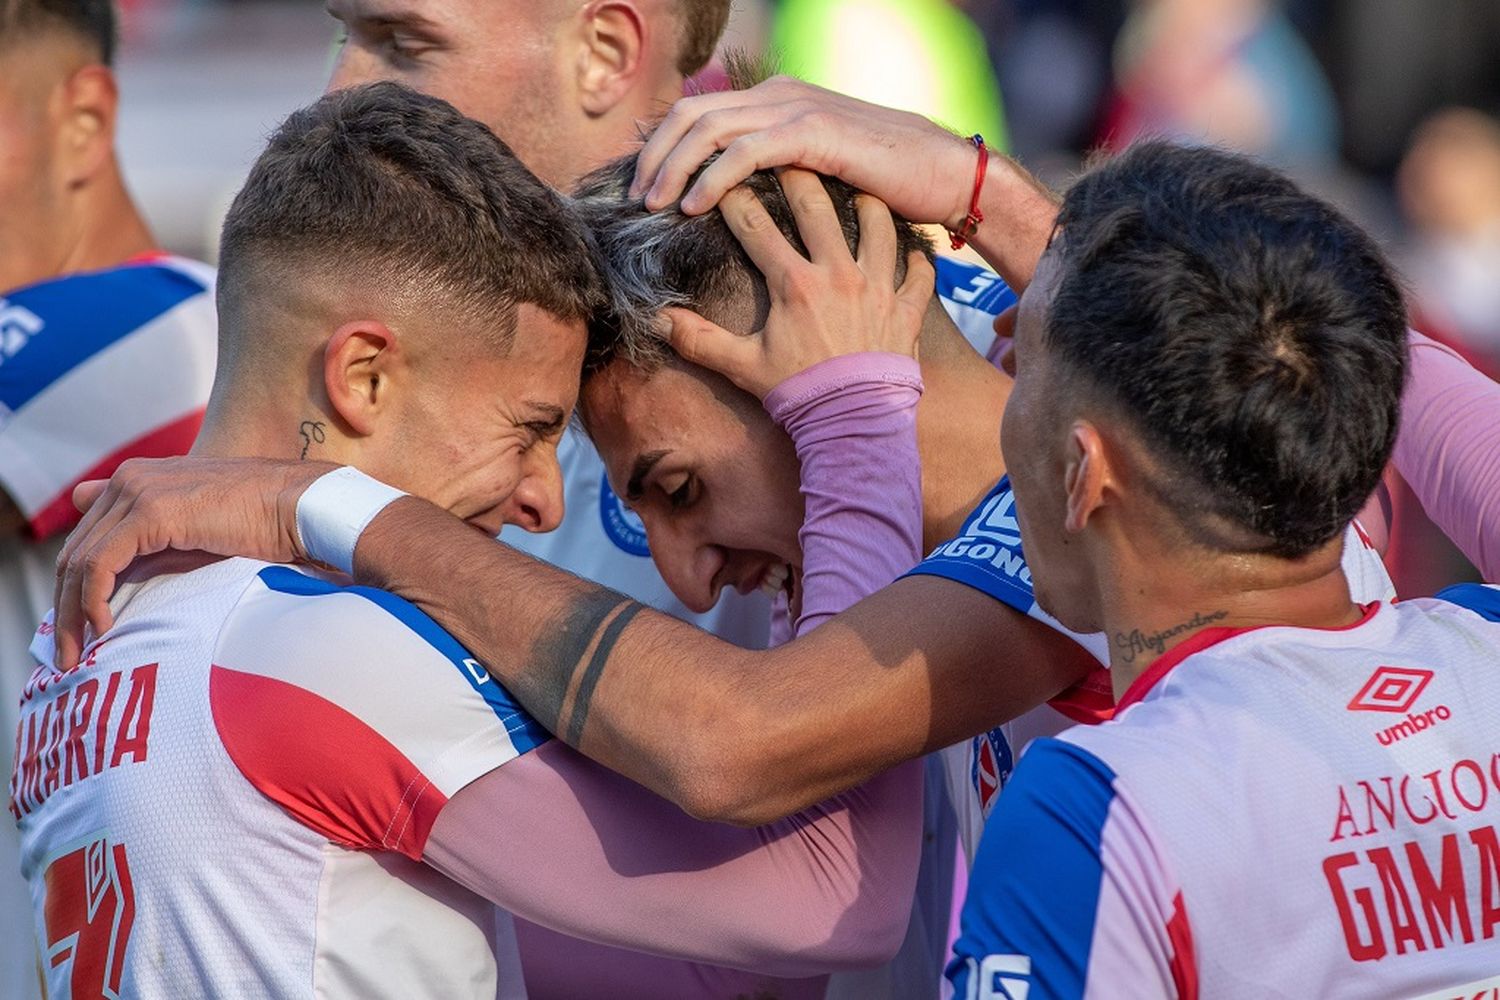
x: 917, y: 55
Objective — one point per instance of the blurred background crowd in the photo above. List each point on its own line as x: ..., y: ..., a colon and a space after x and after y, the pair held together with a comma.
x: 1391, y: 108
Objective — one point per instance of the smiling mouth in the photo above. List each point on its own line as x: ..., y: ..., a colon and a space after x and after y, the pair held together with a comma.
x: 774, y: 579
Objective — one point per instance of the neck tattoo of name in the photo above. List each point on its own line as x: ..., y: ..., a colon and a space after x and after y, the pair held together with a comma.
x: 311, y: 433
x: 1137, y: 643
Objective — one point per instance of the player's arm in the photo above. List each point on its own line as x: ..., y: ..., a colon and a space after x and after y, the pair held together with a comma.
x: 922, y: 171
x: 1068, y: 881
x: 559, y: 840
x: 731, y: 734
x: 1449, y: 449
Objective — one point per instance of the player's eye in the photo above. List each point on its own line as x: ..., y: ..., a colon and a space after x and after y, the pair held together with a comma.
x: 682, y: 495
x: 402, y: 47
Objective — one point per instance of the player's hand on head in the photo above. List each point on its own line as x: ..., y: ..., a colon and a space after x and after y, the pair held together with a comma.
x: 921, y: 170
x: 836, y: 303
x: 238, y: 506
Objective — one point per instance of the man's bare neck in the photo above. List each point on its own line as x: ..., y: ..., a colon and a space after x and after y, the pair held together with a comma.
x: 111, y: 230
x: 1150, y: 610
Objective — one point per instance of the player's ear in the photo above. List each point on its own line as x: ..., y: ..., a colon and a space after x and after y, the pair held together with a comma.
x: 1086, y: 472
x: 86, y: 135
x: 614, y: 37
x: 362, y: 363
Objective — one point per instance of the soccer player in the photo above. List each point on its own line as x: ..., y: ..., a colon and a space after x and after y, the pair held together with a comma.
x: 1298, y: 794
x: 265, y: 782
x: 106, y: 344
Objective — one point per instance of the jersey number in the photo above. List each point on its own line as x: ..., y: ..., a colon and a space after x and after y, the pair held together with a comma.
x: 89, y: 911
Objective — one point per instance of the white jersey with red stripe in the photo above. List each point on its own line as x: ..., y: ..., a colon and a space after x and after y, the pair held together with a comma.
x: 1272, y: 812
x: 986, y: 555
x: 231, y: 796
x: 95, y: 368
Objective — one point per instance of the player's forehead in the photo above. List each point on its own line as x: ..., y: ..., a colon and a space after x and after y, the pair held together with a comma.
x: 632, y: 413
x: 549, y: 348
x: 435, y: 15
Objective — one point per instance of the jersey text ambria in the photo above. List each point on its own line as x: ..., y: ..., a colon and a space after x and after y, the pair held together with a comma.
x: 80, y: 733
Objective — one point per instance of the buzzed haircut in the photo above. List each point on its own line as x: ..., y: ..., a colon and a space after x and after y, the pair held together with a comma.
x: 1252, y: 335
x: 92, y: 21
x: 395, y: 188
x: 702, y: 23
x: 660, y: 259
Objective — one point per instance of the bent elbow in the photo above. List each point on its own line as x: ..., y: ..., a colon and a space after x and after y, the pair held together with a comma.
x: 726, y: 791
x: 727, y: 770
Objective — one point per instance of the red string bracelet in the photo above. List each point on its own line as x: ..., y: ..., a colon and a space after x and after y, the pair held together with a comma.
x: 971, y: 222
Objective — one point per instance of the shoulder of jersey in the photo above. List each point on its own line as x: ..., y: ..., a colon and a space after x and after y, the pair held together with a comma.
x: 50, y: 327
x: 1483, y: 599
x: 354, y: 711
x: 969, y: 285
x: 367, y: 650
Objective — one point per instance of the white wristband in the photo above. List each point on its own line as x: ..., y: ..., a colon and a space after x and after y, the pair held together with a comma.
x: 334, y: 510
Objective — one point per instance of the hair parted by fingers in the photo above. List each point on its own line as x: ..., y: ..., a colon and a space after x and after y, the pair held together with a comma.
x: 91, y: 21
x: 397, y: 189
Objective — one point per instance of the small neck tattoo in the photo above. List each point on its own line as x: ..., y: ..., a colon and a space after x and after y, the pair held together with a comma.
x: 1135, y: 644
x: 311, y: 432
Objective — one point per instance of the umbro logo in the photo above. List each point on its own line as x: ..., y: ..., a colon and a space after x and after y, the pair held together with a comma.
x: 1391, y: 689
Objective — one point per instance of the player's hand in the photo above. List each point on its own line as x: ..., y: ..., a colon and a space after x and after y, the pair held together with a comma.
x: 229, y: 507
x: 835, y: 304
x: 921, y: 170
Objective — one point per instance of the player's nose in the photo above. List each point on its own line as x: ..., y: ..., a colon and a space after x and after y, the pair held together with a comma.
x: 687, y: 569
x: 537, y: 504
x: 353, y: 67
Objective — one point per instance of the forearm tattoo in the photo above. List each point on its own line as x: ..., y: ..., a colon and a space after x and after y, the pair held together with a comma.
x: 595, y: 669
x: 562, y: 654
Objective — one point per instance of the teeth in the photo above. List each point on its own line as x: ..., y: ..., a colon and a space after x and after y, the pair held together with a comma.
x: 775, y: 579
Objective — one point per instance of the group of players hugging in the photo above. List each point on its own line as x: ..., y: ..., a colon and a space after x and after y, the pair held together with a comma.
x: 1052, y: 590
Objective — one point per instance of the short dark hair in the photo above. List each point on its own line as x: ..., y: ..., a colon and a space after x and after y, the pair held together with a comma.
x: 1252, y: 335
x: 660, y: 259
x: 385, y: 182
x: 93, y: 21
x: 702, y: 23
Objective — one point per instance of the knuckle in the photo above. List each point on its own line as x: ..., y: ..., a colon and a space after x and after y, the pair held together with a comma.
x: 801, y: 285
x: 807, y: 200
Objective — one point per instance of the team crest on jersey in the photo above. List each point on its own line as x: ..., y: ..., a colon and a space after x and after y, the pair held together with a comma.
x: 990, y: 767
x: 623, y: 526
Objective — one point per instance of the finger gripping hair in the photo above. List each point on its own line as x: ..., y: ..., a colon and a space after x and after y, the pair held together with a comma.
x: 1252, y: 335
x: 660, y: 259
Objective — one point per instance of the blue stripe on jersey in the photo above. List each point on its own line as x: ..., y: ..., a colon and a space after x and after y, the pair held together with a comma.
x: 1480, y: 598
x: 972, y: 286
x: 525, y: 732
x: 80, y: 315
x: 986, y: 554
x: 1028, y: 920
